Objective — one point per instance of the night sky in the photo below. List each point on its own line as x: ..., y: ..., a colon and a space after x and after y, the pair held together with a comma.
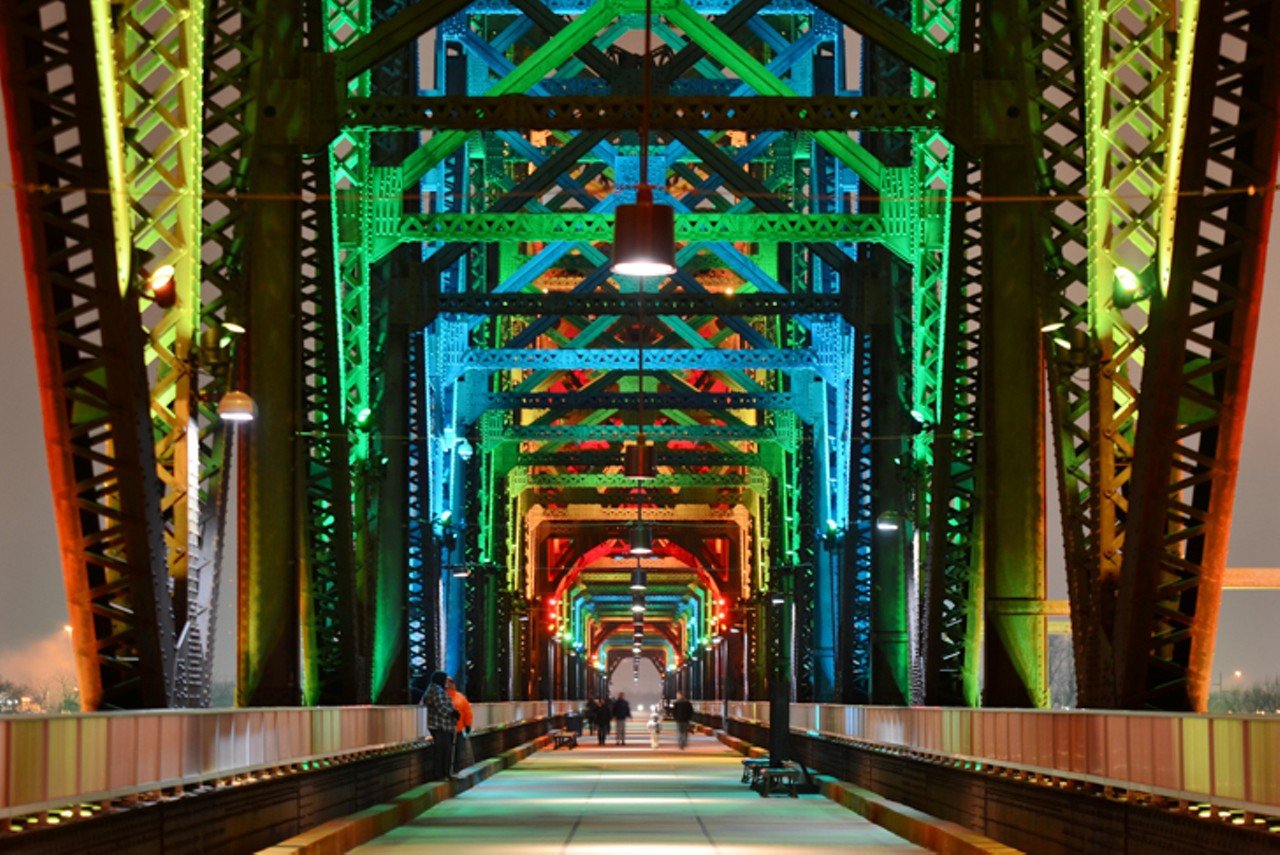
x: 33, y: 610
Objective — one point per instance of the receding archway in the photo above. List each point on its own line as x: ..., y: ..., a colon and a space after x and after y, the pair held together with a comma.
x: 642, y: 686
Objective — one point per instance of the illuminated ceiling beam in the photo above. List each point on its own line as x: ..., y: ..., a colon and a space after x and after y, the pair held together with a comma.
x: 688, y: 495
x: 586, y: 512
x: 523, y: 227
x: 622, y: 113
x: 662, y: 457
x: 797, y: 402
x: 680, y: 304
x: 627, y: 433
x: 628, y: 359
x: 602, y: 480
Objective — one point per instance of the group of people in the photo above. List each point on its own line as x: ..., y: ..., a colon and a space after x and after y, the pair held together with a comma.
x: 449, y: 719
x: 612, y: 714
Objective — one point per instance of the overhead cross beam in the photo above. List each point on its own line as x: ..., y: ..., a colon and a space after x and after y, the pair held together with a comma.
x: 622, y: 113
x: 614, y: 304
x: 523, y: 227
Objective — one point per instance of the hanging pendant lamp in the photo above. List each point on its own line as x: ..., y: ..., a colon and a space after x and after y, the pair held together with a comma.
x: 644, y: 236
x: 644, y: 241
x: 637, y: 460
x: 641, y: 539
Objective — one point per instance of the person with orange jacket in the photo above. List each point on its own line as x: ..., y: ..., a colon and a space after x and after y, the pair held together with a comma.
x: 465, y: 717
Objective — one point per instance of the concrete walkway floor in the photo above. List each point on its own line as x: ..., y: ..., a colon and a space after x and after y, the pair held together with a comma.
x: 633, y: 800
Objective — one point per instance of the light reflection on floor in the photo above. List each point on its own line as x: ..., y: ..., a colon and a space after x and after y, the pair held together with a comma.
x: 633, y: 800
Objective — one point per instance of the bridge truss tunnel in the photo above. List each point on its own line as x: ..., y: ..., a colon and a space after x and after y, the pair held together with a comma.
x: 897, y: 225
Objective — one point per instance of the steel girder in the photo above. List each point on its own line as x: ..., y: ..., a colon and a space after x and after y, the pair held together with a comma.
x: 953, y: 611
x: 797, y: 402
x: 524, y: 227
x: 663, y: 359
x: 231, y: 87
x: 1203, y: 332
x: 1144, y: 545
x: 620, y: 113
x: 150, y: 58
x: 329, y: 607
x: 94, y: 394
x: 674, y: 304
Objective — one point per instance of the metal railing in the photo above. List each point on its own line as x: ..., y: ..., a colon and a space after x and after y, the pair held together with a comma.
x: 1225, y: 760
x: 54, y: 761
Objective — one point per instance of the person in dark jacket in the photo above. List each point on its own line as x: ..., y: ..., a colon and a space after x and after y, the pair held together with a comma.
x: 602, y: 715
x: 621, y: 712
x: 442, y: 717
x: 682, y: 712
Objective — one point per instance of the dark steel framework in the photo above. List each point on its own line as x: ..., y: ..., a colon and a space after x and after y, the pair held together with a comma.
x: 876, y: 282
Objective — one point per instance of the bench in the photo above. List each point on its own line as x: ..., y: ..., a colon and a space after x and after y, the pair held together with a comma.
x: 777, y: 778
x: 751, y: 767
x: 563, y: 739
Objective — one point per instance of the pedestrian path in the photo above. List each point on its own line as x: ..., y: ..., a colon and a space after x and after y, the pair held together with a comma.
x: 633, y: 800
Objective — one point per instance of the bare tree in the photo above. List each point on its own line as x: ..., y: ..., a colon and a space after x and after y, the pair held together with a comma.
x: 1062, y: 672
x: 1261, y: 698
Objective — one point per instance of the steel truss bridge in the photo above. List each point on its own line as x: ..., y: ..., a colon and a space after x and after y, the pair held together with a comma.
x: 389, y: 223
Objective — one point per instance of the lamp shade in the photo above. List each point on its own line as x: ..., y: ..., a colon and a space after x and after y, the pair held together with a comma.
x: 236, y: 406
x: 637, y: 461
x: 162, y: 286
x: 641, y: 540
x: 644, y: 237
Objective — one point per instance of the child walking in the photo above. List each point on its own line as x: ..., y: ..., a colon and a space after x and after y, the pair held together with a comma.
x: 655, y: 728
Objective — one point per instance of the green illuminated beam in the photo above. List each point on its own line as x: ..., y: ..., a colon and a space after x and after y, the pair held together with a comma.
x: 536, y: 66
x: 727, y: 51
x: 597, y: 228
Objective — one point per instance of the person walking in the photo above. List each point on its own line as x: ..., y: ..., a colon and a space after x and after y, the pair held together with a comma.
x: 655, y: 728
x: 441, y: 720
x: 461, y: 731
x: 621, y: 712
x: 602, y: 715
x: 682, y: 712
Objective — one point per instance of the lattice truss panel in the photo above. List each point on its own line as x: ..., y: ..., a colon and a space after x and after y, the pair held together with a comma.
x: 158, y: 97
x: 1137, y: 107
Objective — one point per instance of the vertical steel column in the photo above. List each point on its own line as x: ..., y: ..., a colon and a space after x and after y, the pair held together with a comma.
x: 389, y: 664
x: 269, y: 583
x: 891, y: 530
x: 1012, y: 388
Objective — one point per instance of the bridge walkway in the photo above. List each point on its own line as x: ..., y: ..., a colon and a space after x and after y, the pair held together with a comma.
x: 633, y: 799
